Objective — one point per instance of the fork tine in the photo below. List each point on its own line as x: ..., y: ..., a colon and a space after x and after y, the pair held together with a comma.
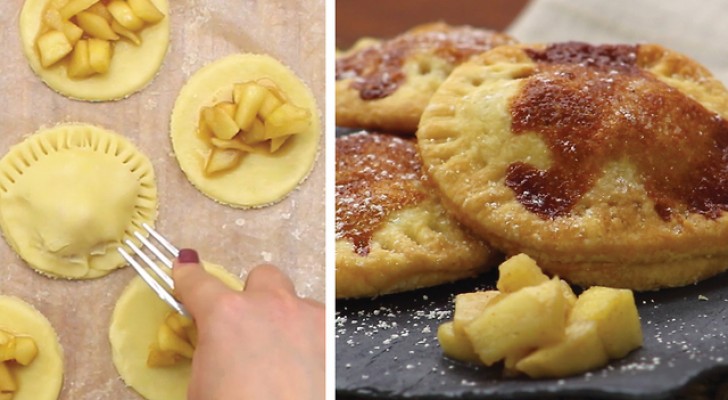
x: 161, y: 239
x: 153, y: 284
x: 151, y: 264
x: 158, y: 253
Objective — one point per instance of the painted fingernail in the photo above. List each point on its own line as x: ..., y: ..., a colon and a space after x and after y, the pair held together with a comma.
x: 188, y: 256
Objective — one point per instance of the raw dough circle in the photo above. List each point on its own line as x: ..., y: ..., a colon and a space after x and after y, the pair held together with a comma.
x: 69, y: 195
x: 137, y: 316
x: 132, y: 67
x: 45, y: 373
x: 260, y: 179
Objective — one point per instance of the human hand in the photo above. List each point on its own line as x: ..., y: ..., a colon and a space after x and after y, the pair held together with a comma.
x: 262, y: 343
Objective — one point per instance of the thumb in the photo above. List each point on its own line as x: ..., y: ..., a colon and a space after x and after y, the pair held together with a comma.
x: 194, y: 287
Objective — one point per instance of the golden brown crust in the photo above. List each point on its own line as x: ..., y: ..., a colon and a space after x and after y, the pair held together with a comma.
x: 392, y: 234
x: 386, y: 85
x: 606, y: 170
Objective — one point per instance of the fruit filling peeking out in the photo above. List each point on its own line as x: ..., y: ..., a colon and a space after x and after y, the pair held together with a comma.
x: 81, y: 33
x: 15, y: 352
x: 176, y: 341
x: 260, y: 119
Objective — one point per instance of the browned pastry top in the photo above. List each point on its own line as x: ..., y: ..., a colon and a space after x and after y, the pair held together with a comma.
x: 376, y: 175
x: 377, y: 69
x: 596, y: 104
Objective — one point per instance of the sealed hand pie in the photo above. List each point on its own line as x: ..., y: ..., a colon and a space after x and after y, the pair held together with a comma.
x: 392, y: 234
x: 386, y: 85
x: 605, y: 163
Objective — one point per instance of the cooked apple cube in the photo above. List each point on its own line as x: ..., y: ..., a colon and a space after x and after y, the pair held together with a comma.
x: 169, y: 341
x: 249, y: 98
x: 123, y: 14
x: 101, y: 10
x: 159, y: 358
x: 469, y: 306
x: 270, y: 104
x: 52, y: 18
x: 80, y: 65
x: 227, y: 107
x: 255, y: 134
x: 286, y: 120
x: 220, y: 122
x: 72, y: 32
x: 146, y: 10
x: 232, y: 144
x: 74, y: 7
x: 221, y: 160
x: 581, y: 350
x: 99, y: 53
x: 518, y: 272
x: 95, y: 26
x: 25, y: 350
x: 455, y: 345
x: 529, y: 318
x: 615, y: 315
x: 278, y: 142
x: 7, y: 383
x: 53, y: 46
x: 132, y: 36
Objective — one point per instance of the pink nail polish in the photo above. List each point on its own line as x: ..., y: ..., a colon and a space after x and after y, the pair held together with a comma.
x: 188, y: 256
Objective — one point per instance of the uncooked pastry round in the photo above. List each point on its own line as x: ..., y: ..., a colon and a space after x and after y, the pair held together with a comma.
x: 132, y: 67
x: 260, y: 179
x: 44, y: 376
x: 138, y: 314
x: 69, y: 195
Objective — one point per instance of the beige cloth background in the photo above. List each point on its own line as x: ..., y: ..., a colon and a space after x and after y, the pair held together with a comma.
x: 695, y: 28
x: 289, y: 234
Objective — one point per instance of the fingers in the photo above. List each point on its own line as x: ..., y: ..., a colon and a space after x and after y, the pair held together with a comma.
x: 267, y: 277
x: 193, y: 286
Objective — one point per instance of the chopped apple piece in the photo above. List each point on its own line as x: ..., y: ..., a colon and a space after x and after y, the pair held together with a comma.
x: 74, y: 7
x: 203, y: 130
x: 615, y: 315
x: 518, y: 272
x: 273, y: 88
x: 278, y: 142
x: 96, y: 26
x: 249, y: 98
x: 227, y: 107
x: 222, y: 160
x: 7, y: 346
x: 80, y: 65
x: 123, y: 14
x: 232, y: 144
x: 531, y: 317
x: 146, y: 10
x: 53, y: 46
x: 25, y: 350
x: 286, y: 120
x: 455, y: 345
x: 52, y: 18
x: 160, y: 358
x: 469, y: 306
x: 255, y: 134
x: 270, y: 104
x: 7, y: 383
x: 132, y: 36
x: 72, y: 32
x: 101, y: 10
x: 220, y: 122
x: 99, y: 53
x: 169, y: 341
x: 581, y: 350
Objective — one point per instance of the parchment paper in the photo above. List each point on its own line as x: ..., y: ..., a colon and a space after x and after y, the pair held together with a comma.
x: 289, y: 234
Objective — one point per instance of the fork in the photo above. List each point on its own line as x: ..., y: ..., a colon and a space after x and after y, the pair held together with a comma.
x: 164, y: 293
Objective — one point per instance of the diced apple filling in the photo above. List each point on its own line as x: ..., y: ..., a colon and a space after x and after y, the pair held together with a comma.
x: 537, y: 326
x: 260, y: 119
x: 15, y: 350
x: 81, y: 34
x: 176, y: 341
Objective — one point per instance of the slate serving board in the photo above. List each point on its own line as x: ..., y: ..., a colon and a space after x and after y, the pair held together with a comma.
x: 387, y: 348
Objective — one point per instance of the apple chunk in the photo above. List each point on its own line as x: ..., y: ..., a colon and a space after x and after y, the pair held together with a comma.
x: 53, y: 46
x: 99, y: 54
x: 532, y: 317
x: 80, y: 64
x: 455, y: 345
x: 518, y: 272
x: 146, y: 10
